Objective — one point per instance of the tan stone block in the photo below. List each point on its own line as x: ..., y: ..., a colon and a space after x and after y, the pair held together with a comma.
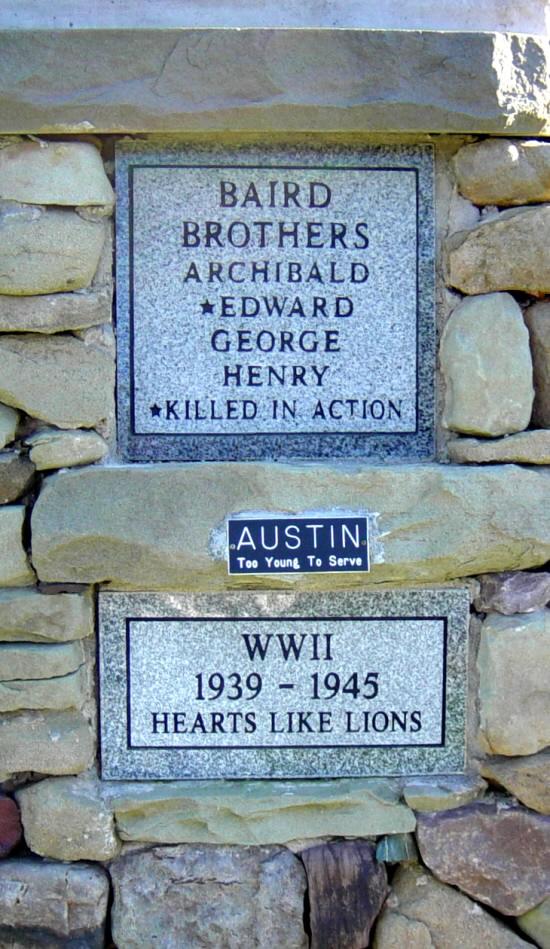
x: 46, y: 251
x: 30, y: 616
x: 504, y: 171
x: 51, y: 448
x: 422, y: 913
x: 39, y: 661
x: 526, y: 448
x: 60, y: 173
x: 514, y: 687
x: 163, y: 526
x: 442, y: 793
x: 57, y: 378
x: 67, y: 819
x: 46, y: 742
x: 67, y: 691
x: 537, y: 318
x: 14, y: 566
x: 536, y: 923
x: 8, y: 424
x: 16, y: 473
x: 506, y: 252
x: 54, y: 312
x: 486, y: 363
x: 527, y: 778
x: 175, y: 80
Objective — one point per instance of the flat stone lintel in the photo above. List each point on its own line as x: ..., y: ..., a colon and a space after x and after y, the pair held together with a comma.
x: 324, y: 80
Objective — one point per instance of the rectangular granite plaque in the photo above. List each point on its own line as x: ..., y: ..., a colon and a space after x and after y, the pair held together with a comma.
x: 274, y: 302
x: 281, y: 684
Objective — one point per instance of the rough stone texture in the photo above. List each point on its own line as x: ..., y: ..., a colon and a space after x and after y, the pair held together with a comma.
x: 528, y: 448
x: 399, y: 848
x: 54, y: 449
x: 55, y: 312
x: 319, y: 79
x: 16, y: 473
x: 346, y: 890
x: 536, y: 923
x: 506, y: 252
x: 514, y: 686
x: 14, y: 566
x: 45, y: 251
x: 57, y: 378
x: 510, y: 870
x: 29, y: 616
x: 537, y: 318
x: 52, y: 905
x: 528, y: 779
x: 256, y: 812
x: 442, y: 794
x: 422, y: 913
x: 46, y: 742
x: 66, y: 819
x: 67, y: 691
x: 10, y: 825
x: 228, y: 897
x: 8, y: 424
x: 503, y: 172
x: 486, y: 363
x: 61, y: 173
x: 37, y: 661
x: 436, y: 521
x: 511, y: 593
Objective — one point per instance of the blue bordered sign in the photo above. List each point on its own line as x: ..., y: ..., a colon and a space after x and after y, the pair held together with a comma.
x: 303, y: 544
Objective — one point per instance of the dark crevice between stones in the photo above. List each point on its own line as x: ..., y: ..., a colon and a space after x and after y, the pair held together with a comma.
x: 108, y: 942
x: 306, y: 916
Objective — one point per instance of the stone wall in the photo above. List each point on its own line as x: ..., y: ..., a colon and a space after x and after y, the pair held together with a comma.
x: 458, y: 861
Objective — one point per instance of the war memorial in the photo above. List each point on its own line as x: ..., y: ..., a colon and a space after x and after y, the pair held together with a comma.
x: 275, y: 483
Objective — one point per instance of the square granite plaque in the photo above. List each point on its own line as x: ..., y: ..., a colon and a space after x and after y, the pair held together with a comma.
x: 274, y: 303
x: 241, y: 685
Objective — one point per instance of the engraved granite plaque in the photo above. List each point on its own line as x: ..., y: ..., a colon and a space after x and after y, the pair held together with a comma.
x: 274, y: 303
x: 282, y: 685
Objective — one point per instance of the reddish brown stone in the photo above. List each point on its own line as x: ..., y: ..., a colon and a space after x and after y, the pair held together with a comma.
x: 347, y: 888
x: 508, y: 593
x: 499, y: 853
x: 10, y: 825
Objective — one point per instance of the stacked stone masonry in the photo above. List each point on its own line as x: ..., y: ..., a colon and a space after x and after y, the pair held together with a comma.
x: 454, y: 861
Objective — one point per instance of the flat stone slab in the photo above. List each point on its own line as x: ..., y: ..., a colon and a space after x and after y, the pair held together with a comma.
x: 255, y: 812
x: 46, y: 742
x: 58, y: 173
x: 294, y: 317
x: 57, y: 378
x: 310, y: 685
x: 52, y: 904
x: 196, y: 896
x: 30, y: 616
x: 319, y: 79
x: 15, y: 570
x: 526, y: 777
x: 164, y: 526
x: 527, y: 448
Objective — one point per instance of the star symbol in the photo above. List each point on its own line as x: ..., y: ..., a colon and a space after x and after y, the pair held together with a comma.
x: 155, y: 410
x: 207, y: 307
